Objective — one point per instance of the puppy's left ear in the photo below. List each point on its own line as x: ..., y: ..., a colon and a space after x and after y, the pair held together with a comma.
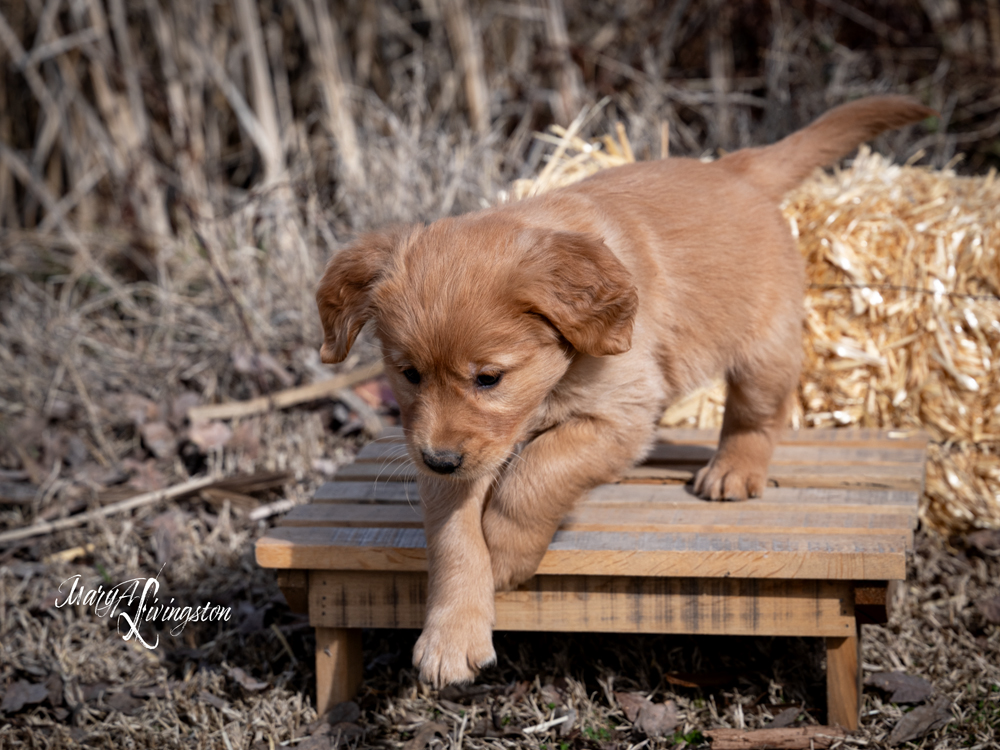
x: 344, y: 294
x: 581, y: 287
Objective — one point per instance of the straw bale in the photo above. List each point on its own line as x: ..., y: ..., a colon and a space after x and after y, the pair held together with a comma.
x: 902, y: 312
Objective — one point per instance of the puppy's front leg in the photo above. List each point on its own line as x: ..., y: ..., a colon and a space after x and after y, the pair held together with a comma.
x: 458, y: 630
x: 550, y: 475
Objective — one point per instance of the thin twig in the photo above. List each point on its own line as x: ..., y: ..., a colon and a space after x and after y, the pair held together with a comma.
x: 914, y: 289
x: 147, y: 498
x: 286, y: 398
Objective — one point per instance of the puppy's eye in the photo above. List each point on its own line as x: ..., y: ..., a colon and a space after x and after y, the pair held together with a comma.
x: 412, y: 375
x: 488, y: 380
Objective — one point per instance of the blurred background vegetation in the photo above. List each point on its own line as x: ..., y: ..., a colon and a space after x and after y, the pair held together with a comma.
x: 174, y: 175
x: 146, y: 117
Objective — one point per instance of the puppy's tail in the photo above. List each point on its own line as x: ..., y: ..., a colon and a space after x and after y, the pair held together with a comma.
x: 780, y: 167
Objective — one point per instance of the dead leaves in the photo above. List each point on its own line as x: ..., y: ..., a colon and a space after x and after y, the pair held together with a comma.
x: 902, y: 687
x: 159, y: 439
x: 985, y: 541
x: 989, y: 608
x: 652, y: 719
x: 245, y: 681
x: 22, y: 693
x: 921, y: 721
x: 906, y: 688
x: 209, y: 436
x: 425, y: 734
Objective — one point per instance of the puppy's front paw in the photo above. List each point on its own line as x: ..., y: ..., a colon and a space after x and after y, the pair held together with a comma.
x: 455, y: 651
x: 729, y: 478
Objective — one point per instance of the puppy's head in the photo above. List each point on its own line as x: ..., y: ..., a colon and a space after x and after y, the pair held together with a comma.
x: 479, y: 317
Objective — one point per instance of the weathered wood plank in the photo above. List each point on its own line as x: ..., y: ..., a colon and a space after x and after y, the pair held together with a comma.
x: 294, y: 585
x: 600, y: 603
x: 750, y: 517
x: 339, y: 666
x: 842, y: 436
x: 892, y: 476
x: 858, y: 557
x: 873, y: 501
x: 843, y: 680
x: 696, y: 454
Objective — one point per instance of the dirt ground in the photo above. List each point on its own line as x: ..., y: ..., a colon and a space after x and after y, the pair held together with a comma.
x: 72, y: 677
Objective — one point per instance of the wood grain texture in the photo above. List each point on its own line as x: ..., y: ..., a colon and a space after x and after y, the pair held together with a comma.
x: 796, y: 556
x: 789, y: 738
x: 600, y: 603
x: 743, y: 518
x: 339, y: 666
x: 843, y: 681
x: 686, y: 453
x: 841, y: 436
x: 294, y: 585
x: 903, y: 476
x: 838, y: 498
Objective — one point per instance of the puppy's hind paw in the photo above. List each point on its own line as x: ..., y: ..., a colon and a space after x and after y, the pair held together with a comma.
x: 447, y: 656
x: 726, y: 479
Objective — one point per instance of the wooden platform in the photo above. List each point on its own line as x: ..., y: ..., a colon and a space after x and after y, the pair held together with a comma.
x: 813, y: 557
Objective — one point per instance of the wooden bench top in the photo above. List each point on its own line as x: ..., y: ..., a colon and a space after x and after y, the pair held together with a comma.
x: 844, y: 508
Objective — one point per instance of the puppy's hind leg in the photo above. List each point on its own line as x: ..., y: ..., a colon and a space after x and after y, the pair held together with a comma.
x: 758, y: 403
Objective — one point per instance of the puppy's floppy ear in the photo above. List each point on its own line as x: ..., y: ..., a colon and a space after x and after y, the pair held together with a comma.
x: 344, y: 294
x: 582, y: 288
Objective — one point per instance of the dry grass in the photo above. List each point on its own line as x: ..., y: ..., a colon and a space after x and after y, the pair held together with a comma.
x: 105, y: 692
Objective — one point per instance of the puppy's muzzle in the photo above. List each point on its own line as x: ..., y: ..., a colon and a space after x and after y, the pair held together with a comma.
x: 443, y: 462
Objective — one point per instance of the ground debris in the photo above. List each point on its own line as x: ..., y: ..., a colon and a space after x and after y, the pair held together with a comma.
x: 425, y: 733
x: 921, y: 721
x: 22, y: 693
x: 903, y: 688
x: 798, y: 738
x: 653, y: 719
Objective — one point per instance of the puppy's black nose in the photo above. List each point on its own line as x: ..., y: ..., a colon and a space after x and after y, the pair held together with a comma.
x: 443, y: 462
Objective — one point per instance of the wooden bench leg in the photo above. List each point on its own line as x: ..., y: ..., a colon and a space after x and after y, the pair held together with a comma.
x: 843, y: 681
x: 339, y: 666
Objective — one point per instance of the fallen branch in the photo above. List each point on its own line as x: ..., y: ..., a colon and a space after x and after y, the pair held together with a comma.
x: 795, y: 738
x: 271, y: 509
x: 286, y: 398
x: 469, y: 55
x: 147, y: 498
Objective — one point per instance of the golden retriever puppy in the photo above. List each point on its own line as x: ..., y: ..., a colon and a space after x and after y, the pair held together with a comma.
x: 533, y: 346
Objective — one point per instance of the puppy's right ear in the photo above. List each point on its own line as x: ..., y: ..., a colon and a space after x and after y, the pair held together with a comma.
x: 344, y: 294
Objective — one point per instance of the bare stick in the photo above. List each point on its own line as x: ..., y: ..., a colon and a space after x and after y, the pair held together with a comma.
x: 286, y: 398
x: 54, y: 215
x: 468, y: 51
x: 9, y: 40
x: 993, y: 14
x: 95, y: 422
x: 365, y: 35
x: 248, y: 15
x: 322, y: 36
x: 130, y: 69
x: 147, y: 498
x: 570, y: 82
x: 720, y: 65
x: 794, y: 738
x: 665, y: 139
x: 59, y: 46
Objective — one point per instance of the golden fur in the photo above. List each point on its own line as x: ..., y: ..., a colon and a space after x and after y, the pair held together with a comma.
x: 595, y: 306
